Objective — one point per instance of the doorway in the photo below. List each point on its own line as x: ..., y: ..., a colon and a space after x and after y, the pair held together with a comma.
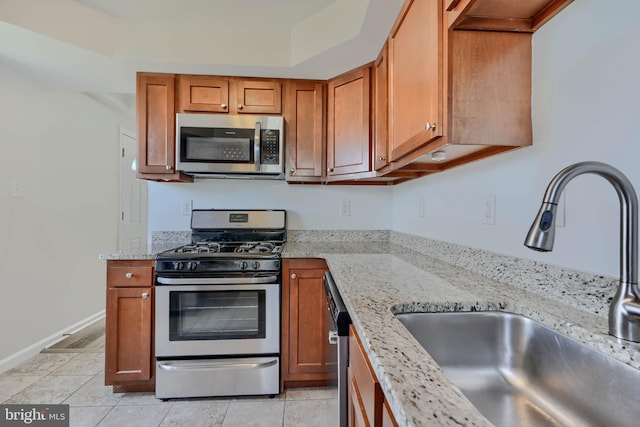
x: 133, y: 197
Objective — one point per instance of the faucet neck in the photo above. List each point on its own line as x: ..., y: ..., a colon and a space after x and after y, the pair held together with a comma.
x: 628, y: 210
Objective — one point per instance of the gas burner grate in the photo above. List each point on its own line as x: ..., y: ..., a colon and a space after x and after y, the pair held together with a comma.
x: 200, y: 247
x: 260, y: 247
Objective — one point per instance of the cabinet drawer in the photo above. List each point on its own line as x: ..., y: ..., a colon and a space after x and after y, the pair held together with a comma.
x: 365, y: 380
x: 130, y: 274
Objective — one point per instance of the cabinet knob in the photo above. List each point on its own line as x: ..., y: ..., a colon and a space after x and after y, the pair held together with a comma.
x: 331, y: 170
x: 223, y: 106
x: 144, y: 295
x: 294, y: 276
x: 430, y: 126
x: 382, y: 158
x: 128, y: 275
x: 168, y: 167
x: 240, y: 106
x: 292, y: 171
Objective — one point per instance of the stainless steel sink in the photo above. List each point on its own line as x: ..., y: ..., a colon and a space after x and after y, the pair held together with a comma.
x: 518, y: 372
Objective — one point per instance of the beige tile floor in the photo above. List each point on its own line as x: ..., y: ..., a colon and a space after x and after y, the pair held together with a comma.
x: 77, y: 379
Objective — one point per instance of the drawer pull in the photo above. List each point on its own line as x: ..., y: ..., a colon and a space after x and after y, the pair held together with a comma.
x: 129, y: 275
x: 145, y: 295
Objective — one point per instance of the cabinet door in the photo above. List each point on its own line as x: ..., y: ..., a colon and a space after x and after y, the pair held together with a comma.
x: 128, y: 350
x: 304, y: 116
x: 380, y: 110
x: 357, y: 416
x: 259, y: 96
x: 156, y: 123
x: 348, y: 138
x: 309, y: 350
x: 203, y: 94
x: 415, y: 77
x: 307, y: 356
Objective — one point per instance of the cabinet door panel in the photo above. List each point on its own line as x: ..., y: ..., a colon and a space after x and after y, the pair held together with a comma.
x: 415, y: 77
x: 156, y: 124
x: 357, y: 416
x: 308, y: 343
x: 304, y: 115
x: 259, y: 97
x: 203, y: 94
x: 348, y: 136
x: 128, y: 352
x: 381, y: 110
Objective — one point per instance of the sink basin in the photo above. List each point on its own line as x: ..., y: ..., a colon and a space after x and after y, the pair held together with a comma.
x: 518, y: 372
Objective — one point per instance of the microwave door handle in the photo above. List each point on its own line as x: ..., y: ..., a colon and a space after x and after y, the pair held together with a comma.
x: 256, y: 147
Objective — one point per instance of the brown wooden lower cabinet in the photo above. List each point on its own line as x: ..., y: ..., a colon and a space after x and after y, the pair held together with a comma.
x: 129, y: 360
x: 367, y: 405
x: 307, y: 357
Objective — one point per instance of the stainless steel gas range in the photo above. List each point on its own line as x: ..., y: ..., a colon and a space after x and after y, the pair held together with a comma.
x: 217, y: 307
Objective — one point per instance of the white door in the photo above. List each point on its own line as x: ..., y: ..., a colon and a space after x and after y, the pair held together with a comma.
x: 133, y: 197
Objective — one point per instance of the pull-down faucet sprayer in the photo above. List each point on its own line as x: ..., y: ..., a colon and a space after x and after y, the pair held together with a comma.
x: 624, y: 312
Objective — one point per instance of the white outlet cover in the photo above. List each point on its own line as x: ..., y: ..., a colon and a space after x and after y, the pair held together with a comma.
x: 489, y: 209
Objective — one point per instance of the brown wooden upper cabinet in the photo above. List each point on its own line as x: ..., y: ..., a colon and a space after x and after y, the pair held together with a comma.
x: 259, y: 96
x: 211, y: 94
x: 348, y: 124
x: 156, y: 124
x: 305, y: 130
x: 502, y: 15
x: 457, y: 95
x: 415, y: 77
x: 380, y: 121
x: 203, y: 94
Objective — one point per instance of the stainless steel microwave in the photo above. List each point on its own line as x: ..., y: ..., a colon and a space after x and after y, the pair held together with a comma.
x: 234, y: 146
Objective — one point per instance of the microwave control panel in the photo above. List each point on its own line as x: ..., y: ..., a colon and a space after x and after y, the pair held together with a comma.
x: 270, y: 147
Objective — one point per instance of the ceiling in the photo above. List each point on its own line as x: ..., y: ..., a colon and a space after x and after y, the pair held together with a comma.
x: 97, y: 46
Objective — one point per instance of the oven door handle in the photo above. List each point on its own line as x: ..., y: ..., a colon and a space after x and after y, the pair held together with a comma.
x: 218, y: 280
x: 192, y: 365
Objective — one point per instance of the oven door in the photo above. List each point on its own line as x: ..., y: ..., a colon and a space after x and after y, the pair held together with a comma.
x: 217, y: 319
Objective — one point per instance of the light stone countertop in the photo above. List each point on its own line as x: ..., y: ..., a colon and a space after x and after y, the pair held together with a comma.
x: 377, y: 281
x: 380, y: 278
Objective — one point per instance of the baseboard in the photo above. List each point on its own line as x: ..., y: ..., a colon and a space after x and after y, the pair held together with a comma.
x: 17, y: 358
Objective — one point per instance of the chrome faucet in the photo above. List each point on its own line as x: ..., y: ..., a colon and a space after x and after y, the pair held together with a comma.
x: 624, y: 312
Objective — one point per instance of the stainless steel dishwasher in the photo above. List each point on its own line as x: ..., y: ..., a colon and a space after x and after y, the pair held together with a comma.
x: 339, y: 337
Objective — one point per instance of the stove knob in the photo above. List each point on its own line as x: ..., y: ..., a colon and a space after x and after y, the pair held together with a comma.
x: 255, y: 265
x: 244, y: 265
x: 193, y: 265
x: 178, y: 265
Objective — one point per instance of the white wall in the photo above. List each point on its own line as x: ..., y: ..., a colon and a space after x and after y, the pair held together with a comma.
x: 62, y: 148
x: 586, y: 106
x: 308, y: 207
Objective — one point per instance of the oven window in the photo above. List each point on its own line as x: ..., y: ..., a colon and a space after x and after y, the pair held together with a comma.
x: 216, y: 315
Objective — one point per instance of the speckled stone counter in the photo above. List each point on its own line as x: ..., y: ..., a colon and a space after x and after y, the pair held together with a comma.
x: 381, y: 273
x: 139, y: 253
x: 378, y: 280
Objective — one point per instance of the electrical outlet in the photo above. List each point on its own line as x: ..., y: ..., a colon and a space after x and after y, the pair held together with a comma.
x: 489, y: 209
x: 186, y: 207
x: 345, y: 208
